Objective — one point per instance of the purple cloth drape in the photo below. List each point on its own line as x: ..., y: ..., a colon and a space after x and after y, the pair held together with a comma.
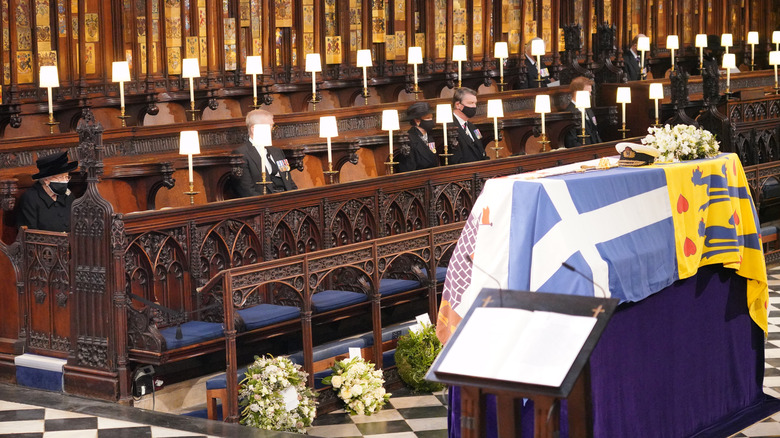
x: 686, y: 361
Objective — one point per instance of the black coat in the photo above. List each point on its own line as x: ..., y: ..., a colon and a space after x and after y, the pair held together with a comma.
x: 571, y: 140
x: 531, y: 74
x: 420, y: 155
x: 246, y: 184
x: 631, y: 66
x: 39, y: 212
x: 468, y: 150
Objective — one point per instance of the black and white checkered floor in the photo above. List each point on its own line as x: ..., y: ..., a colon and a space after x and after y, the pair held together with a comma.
x: 410, y: 415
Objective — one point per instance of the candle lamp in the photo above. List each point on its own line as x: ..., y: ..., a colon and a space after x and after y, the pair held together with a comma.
x: 495, y: 109
x: 701, y: 43
x: 390, y: 124
x: 542, y: 106
x: 444, y: 116
x: 189, y: 145
x: 726, y: 40
x: 729, y: 62
x: 329, y: 129
x: 364, y: 61
x: 752, y: 39
x: 582, y: 102
x: 191, y: 70
x: 254, y: 67
x: 776, y: 40
x: 537, y: 49
x: 459, y: 55
x: 120, y: 72
x: 501, y: 52
x: 643, y: 45
x: 261, y: 138
x: 672, y: 43
x: 313, y: 65
x: 415, y: 57
x: 774, y: 61
x: 49, y: 79
x: 656, y: 93
x: 623, y: 97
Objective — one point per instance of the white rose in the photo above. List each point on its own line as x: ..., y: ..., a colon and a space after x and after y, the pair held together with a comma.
x: 357, y: 390
x: 336, y: 381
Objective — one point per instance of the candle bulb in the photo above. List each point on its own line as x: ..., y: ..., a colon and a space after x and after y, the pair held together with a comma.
x: 542, y: 106
x: 364, y: 60
x: 189, y: 145
x: 49, y: 78
x: 623, y: 97
x: 329, y: 129
x: 643, y: 45
x: 701, y: 43
x: 459, y: 54
x: 191, y: 70
x: 495, y: 109
x: 444, y: 116
x: 729, y: 62
x: 582, y: 102
x: 726, y: 40
x: 537, y: 49
x: 414, y: 56
x: 390, y: 123
x: 254, y: 67
x: 672, y: 43
x: 656, y: 93
x: 752, y: 39
x: 313, y: 65
x: 774, y: 60
x: 501, y: 52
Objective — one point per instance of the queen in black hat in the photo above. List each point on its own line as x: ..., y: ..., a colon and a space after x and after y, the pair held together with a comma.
x: 46, y: 205
x: 422, y: 148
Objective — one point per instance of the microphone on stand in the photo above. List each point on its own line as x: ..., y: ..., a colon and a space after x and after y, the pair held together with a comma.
x: 573, y: 269
x: 500, y: 289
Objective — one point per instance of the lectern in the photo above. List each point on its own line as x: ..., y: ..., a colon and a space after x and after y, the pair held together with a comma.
x: 498, y: 370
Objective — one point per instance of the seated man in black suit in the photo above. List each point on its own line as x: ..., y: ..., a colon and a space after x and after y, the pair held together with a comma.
x: 277, y: 168
x: 631, y: 61
x: 591, y: 128
x: 422, y: 149
x: 531, y: 71
x: 470, y: 147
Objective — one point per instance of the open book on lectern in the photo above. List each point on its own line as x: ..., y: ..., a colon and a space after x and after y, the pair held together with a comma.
x: 525, y: 339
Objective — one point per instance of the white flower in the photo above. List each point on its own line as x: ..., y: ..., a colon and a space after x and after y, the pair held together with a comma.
x: 336, y: 381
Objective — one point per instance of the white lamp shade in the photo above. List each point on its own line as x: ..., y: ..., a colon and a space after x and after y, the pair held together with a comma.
x: 443, y: 113
x: 542, y: 104
x: 495, y: 108
x: 701, y: 40
x: 752, y: 38
x: 390, y: 120
x: 729, y: 60
x: 776, y: 37
x: 582, y: 99
x: 672, y: 42
x: 726, y: 40
x: 537, y: 47
x: 774, y: 57
x: 328, y: 127
x: 643, y: 44
x: 656, y: 91
x: 313, y: 63
x: 623, y: 95
x: 254, y: 65
x: 190, y: 68
x: 261, y: 135
x: 120, y: 71
x: 189, y: 143
x: 415, y: 55
x: 502, y: 50
x: 49, y: 76
x: 364, y: 58
x: 459, y: 52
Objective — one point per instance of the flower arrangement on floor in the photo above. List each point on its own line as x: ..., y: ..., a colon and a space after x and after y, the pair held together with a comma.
x: 682, y: 142
x: 359, y: 385
x: 415, y: 354
x: 274, y: 396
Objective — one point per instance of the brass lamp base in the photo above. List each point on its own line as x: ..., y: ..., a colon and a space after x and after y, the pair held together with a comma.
x: 52, y: 123
x: 446, y: 158
x: 583, y: 138
x: 624, y: 130
x: 545, y: 142
x: 330, y: 172
x: 192, y: 193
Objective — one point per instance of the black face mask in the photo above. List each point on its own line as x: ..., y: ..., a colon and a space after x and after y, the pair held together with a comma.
x: 427, y: 125
x: 60, y: 188
x: 469, y: 111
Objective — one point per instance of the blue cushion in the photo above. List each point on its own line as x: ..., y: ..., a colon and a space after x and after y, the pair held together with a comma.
x: 267, y: 314
x: 768, y: 230
x: 388, y: 358
x: 441, y: 273
x: 390, y: 332
x: 392, y: 286
x: 193, y: 332
x: 220, y: 382
x: 331, y: 349
x: 335, y: 299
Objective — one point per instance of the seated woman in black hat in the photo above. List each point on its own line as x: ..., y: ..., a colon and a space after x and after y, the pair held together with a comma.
x: 422, y: 153
x: 46, y: 205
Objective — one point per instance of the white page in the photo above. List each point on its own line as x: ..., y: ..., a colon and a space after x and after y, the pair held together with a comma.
x: 484, y: 341
x: 547, y: 348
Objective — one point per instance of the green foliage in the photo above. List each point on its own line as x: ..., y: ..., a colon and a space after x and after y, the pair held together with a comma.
x: 415, y: 355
